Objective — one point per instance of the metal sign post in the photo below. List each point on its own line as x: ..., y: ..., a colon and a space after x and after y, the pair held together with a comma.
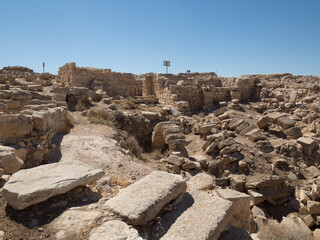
x: 43, y: 66
x: 166, y: 64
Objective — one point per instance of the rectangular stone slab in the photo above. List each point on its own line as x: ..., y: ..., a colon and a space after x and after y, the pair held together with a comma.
x: 30, y: 186
x: 204, y: 220
x: 143, y: 200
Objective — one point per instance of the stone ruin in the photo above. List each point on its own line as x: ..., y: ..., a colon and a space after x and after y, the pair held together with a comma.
x: 101, y: 154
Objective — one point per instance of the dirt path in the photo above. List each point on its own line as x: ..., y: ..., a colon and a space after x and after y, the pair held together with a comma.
x: 68, y: 215
x: 93, y: 145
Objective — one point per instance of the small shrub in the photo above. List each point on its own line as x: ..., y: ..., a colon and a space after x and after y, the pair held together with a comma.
x: 96, y: 120
x: 131, y: 105
x: 118, y: 180
x: 80, y: 106
x: 134, y: 146
x: 119, y: 117
x: 99, y: 115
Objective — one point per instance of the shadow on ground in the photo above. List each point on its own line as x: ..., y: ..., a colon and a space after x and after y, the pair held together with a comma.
x: 45, y: 212
x: 165, y: 220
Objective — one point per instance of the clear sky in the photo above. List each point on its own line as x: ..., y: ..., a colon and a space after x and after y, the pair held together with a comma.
x: 232, y: 37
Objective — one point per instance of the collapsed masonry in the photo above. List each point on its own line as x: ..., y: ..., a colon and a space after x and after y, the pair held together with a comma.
x: 187, y: 91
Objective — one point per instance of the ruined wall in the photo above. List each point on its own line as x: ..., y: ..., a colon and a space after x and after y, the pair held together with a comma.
x: 113, y: 83
x: 28, y: 124
x: 200, y: 90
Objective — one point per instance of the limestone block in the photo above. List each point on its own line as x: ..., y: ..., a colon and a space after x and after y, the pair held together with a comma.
x: 263, y: 122
x: 18, y: 151
x: 273, y: 117
x: 285, y: 123
x: 40, y: 120
x: 308, y: 145
x: 220, y: 111
x: 31, y: 186
x: 175, y: 160
x: 143, y: 200
x: 14, y: 126
x: 9, y: 162
x: 114, y: 230
x: 201, y: 181
x: 313, y: 207
x: 293, y: 133
x: 241, y: 202
x: 205, y: 219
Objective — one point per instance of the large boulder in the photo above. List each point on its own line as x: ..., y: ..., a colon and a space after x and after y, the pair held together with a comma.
x: 31, y: 186
x: 142, y: 201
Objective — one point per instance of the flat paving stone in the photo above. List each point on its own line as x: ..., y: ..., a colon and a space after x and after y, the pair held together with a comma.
x: 143, y: 200
x: 30, y: 186
x: 207, y: 217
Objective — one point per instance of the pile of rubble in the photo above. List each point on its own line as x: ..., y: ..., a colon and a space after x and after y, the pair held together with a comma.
x: 192, y: 156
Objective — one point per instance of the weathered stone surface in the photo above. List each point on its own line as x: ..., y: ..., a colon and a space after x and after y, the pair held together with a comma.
x: 114, y: 230
x: 263, y: 122
x: 168, y: 133
x: 189, y: 166
x: 272, y: 188
x: 308, y: 220
x: 308, y: 145
x: 220, y: 111
x: 40, y: 120
x: 313, y: 207
x: 212, y: 146
x: 31, y: 186
x: 316, y: 233
x: 241, y: 202
x: 13, y: 127
x: 293, y: 133
x: 205, y: 219
x: 142, y: 201
x: 200, y: 182
x: 175, y: 160
x: 237, y: 182
x: 285, y: 123
x: 72, y: 222
x: 10, y: 163
x: 275, y: 116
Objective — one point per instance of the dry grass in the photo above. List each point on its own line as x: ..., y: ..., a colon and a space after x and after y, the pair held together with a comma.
x: 101, y: 116
x: 134, y: 146
x: 118, y: 181
x: 102, y: 121
x: 80, y: 106
x: 275, y: 231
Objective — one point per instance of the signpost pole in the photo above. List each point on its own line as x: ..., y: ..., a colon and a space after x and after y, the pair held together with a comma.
x: 166, y: 64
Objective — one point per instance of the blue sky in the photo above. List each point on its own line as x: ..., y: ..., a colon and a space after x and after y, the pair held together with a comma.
x: 232, y: 37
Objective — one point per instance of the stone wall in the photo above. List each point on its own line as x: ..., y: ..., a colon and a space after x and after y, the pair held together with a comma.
x: 29, y: 121
x: 113, y: 83
x: 195, y: 91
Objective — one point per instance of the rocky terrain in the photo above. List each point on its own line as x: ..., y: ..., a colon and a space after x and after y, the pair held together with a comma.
x: 95, y: 154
